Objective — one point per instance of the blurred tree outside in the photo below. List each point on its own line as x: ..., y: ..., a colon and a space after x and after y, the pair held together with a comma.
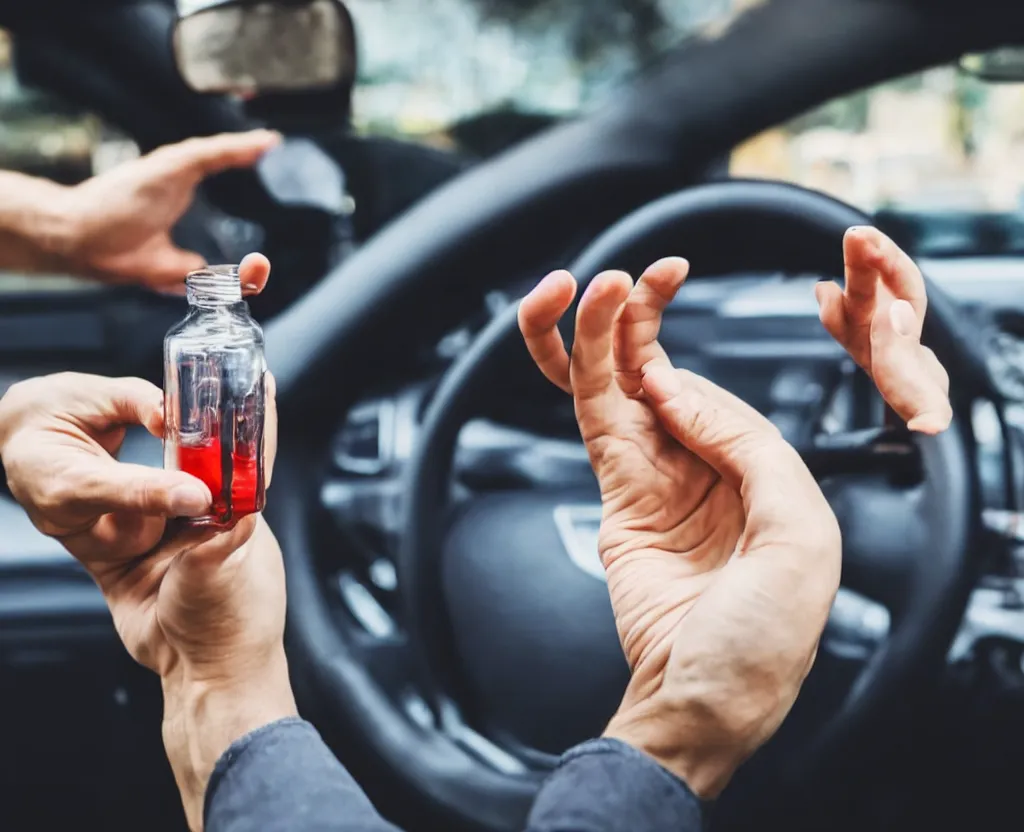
x: 427, y: 67
x: 935, y: 140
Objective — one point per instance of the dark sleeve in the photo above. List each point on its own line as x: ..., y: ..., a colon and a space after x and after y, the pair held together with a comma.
x: 608, y: 786
x: 283, y: 778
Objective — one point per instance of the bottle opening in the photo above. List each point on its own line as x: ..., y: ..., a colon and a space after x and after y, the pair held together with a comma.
x: 214, y: 286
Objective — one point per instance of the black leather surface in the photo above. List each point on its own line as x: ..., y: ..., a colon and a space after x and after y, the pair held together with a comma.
x: 533, y: 633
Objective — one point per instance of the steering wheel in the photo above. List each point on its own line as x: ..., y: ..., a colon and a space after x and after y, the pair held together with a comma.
x: 508, y: 653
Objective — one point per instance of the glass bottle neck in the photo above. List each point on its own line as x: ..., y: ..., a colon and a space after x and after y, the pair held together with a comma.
x: 213, y: 287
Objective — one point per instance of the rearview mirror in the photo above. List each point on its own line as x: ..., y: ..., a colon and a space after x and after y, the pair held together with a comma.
x: 252, y: 47
x: 1006, y: 64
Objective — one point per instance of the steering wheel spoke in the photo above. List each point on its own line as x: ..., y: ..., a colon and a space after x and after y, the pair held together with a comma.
x: 869, y: 451
x: 884, y: 531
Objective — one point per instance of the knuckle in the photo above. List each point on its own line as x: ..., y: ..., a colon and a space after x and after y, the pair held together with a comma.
x: 55, y: 495
x: 694, y: 416
x: 142, y: 494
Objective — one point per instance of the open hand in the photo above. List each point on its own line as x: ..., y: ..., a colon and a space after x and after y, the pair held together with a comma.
x: 119, y: 223
x: 721, y: 553
x: 878, y: 320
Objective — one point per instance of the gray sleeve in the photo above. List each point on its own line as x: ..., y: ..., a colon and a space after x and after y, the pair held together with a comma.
x: 608, y: 786
x: 283, y: 778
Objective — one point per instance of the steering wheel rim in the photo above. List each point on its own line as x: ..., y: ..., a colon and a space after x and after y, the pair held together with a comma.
x: 938, y: 593
x: 471, y: 789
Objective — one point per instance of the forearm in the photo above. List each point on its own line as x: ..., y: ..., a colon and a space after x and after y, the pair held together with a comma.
x: 214, y: 697
x: 35, y: 231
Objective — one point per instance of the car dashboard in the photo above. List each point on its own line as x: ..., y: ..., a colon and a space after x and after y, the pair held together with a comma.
x: 756, y: 335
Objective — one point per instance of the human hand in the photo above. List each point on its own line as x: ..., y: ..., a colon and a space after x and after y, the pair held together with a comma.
x: 721, y: 553
x: 117, y: 225
x: 878, y: 320
x: 205, y: 610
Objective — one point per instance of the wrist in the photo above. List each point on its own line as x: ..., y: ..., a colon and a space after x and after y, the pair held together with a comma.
x: 676, y: 739
x: 203, y: 717
x: 38, y: 224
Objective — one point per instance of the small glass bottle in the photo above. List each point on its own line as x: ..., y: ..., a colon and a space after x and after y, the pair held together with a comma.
x: 215, y: 396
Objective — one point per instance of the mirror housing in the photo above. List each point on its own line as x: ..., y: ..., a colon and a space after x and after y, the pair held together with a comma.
x: 1005, y: 65
x: 255, y: 47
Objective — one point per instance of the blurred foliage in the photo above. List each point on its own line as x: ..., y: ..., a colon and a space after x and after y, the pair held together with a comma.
x: 597, y: 26
x: 593, y: 24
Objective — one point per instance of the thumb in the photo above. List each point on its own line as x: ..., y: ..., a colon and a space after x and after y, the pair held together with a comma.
x: 724, y: 431
x: 781, y: 499
x: 139, y: 489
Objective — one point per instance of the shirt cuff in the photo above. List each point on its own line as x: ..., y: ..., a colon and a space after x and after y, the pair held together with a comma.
x: 605, y: 784
x: 241, y: 745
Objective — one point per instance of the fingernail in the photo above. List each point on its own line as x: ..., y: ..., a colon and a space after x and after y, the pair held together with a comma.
x: 662, y: 382
x: 866, y: 235
x: 903, y: 317
x: 189, y: 500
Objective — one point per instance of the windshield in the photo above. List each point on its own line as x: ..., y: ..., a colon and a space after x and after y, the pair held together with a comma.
x: 938, y: 155
x: 425, y: 67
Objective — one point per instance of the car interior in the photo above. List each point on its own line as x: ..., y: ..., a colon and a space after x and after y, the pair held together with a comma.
x: 449, y: 629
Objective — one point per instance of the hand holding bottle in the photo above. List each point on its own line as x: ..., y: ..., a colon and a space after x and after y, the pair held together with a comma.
x: 204, y: 609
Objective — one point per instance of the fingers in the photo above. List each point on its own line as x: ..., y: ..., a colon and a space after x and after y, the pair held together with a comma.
x: 123, y: 401
x: 202, y: 157
x: 871, y: 255
x: 908, y: 375
x: 167, y: 268
x: 254, y: 271
x: 539, y: 314
x: 831, y: 310
x: 636, y: 342
x: 592, y: 368
x: 635, y: 338
x: 861, y: 276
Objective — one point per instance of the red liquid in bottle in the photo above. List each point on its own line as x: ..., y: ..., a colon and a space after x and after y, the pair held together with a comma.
x: 206, y: 462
